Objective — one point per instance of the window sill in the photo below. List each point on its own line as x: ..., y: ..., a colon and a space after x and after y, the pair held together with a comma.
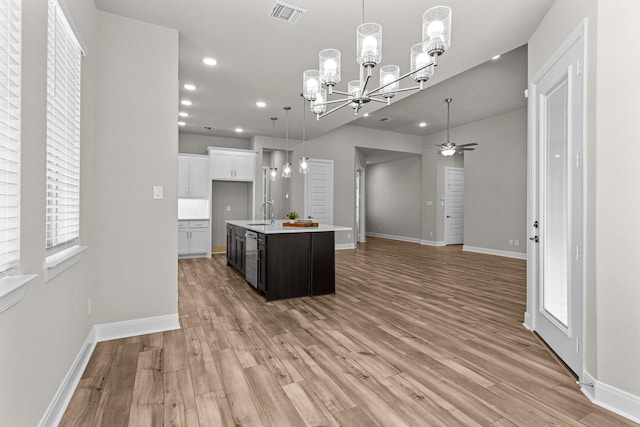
x: 55, y: 265
x: 12, y: 289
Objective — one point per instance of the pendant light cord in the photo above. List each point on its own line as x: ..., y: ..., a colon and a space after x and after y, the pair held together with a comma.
x: 273, y: 154
x: 304, y: 125
x: 286, y: 109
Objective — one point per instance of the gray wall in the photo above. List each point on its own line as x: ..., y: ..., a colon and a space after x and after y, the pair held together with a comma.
x: 393, y: 198
x: 129, y: 143
x: 192, y: 143
x: 226, y: 193
x: 495, y: 189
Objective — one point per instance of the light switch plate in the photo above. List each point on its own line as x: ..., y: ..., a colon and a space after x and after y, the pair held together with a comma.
x: 158, y: 192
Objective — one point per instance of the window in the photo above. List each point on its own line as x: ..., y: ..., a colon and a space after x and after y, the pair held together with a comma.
x: 12, y: 284
x: 64, y: 55
x: 9, y: 136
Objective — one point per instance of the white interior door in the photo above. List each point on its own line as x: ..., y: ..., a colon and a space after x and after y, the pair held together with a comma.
x: 454, y: 206
x: 557, y: 198
x: 318, y: 191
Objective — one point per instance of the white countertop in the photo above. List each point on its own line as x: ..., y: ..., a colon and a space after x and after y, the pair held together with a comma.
x: 278, y: 228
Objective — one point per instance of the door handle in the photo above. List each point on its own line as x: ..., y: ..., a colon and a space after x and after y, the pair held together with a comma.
x: 534, y: 239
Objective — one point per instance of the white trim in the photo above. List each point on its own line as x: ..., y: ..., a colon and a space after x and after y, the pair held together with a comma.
x: 446, y: 227
x: 611, y: 398
x: 12, y: 289
x: 134, y: 327
x: 343, y: 246
x: 527, y: 321
x: 497, y: 252
x: 392, y: 237
x: 72, y: 25
x: 433, y: 242
x: 55, y: 265
x: 61, y: 399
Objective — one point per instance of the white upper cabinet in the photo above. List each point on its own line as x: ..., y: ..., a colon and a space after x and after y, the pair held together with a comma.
x: 193, y: 179
x: 232, y: 165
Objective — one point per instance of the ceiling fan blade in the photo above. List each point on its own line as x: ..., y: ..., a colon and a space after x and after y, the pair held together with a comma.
x: 467, y: 145
x: 464, y: 149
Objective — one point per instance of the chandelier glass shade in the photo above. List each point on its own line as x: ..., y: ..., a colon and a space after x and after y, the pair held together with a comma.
x: 318, y: 85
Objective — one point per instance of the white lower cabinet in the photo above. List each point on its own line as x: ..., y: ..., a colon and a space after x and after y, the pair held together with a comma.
x: 193, y: 238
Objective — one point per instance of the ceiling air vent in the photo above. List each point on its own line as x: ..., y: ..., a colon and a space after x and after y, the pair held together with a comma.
x: 384, y: 119
x: 285, y: 12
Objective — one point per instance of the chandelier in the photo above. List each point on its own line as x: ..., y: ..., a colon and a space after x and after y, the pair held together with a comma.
x: 318, y: 85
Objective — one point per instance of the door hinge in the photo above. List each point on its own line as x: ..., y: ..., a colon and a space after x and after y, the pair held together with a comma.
x: 578, y: 160
x: 578, y: 345
x: 579, y: 68
x: 578, y: 254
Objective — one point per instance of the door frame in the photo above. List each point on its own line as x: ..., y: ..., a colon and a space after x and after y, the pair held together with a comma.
x: 361, y: 215
x: 446, y: 202
x: 533, y: 173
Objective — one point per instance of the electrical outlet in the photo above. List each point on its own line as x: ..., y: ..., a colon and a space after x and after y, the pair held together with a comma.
x: 431, y: 234
x: 510, y: 242
x: 89, y: 301
x: 429, y: 202
x: 348, y: 235
x: 228, y: 208
x: 516, y: 242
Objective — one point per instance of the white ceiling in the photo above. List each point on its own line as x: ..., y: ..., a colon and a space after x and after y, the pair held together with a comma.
x: 260, y: 58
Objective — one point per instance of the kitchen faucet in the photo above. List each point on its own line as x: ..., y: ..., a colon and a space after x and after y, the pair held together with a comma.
x: 263, y: 208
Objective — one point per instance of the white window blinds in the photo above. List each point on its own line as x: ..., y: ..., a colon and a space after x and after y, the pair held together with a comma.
x: 63, y: 133
x: 9, y: 135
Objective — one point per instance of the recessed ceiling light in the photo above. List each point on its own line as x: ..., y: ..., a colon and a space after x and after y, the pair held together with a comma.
x: 496, y: 57
x: 261, y: 104
x: 189, y: 86
x: 209, y: 61
x: 423, y: 124
x: 183, y: 114
x: 186, y: 102
x: 239, y: 130
x: 182, y: 124
x: 366, y: 114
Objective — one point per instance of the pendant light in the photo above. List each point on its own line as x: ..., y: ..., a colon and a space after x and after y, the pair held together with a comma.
x: 286, y: 168
x: 273, y: 171
x: 304, y: 160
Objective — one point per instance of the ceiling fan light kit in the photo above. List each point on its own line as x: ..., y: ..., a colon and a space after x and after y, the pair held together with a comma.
x: 449, y: 148
x: 319, y: 85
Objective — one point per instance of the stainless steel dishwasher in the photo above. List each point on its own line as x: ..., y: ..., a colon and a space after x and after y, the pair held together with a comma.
x: 251, y: 266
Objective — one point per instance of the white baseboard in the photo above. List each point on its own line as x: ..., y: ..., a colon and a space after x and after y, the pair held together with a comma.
x: 615, y: 400
x: 131, y: 328
x: 527, y: 321
x: 343, y: 246
x: 392, y: 237
x: 102, y: 332
x: 61, y: 399
x: 433, y: 242
x: 488, y: 251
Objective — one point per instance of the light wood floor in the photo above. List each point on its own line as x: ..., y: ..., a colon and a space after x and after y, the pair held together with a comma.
x: 414, y: 335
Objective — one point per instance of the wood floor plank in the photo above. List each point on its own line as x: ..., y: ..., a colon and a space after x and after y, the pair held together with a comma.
x: 179, y: 400
x: 414, y: 335
x: 213, y: 409
x: 84, y: 405
x: 115, y: 401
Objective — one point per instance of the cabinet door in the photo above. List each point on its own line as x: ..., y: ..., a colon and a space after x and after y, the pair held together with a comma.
x: 221, y: 165
x: 245, y: 166
x: 240, y: 254
x: 183, y: 176
x: 198, y: 177
x: 198, y: 243
x: 230, y: 239
x: 323, y: 263
x: 183, y: 242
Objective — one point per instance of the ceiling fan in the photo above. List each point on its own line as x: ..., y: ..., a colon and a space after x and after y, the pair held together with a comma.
x: 450, y: 148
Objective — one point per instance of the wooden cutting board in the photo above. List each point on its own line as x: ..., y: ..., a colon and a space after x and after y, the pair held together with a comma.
x: 295, y: 224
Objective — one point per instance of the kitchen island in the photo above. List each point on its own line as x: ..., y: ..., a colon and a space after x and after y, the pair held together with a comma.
x: 288, y: 262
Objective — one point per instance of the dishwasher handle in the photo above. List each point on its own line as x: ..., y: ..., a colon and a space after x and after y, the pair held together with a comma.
x: 250, y: 235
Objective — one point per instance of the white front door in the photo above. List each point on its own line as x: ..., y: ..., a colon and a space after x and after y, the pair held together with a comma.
x: 318, y: 191
x: 555, y: 281
x: 454, y: 206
